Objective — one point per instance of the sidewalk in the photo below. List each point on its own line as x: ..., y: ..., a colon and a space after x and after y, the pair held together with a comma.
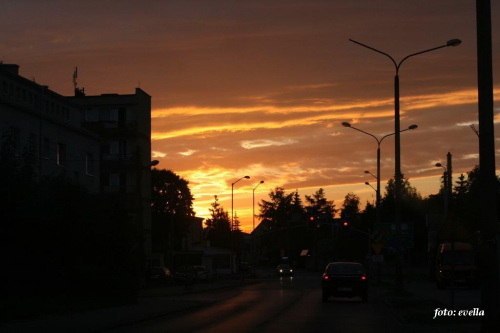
x: 420, y: 307
x: 150, y: 304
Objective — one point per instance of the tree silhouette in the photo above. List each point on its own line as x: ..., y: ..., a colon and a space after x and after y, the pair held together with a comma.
x: 218, y: 226
x: 350, y: 207
x: 236, y: 222
x: 170, y: 194
x: 280, y: 208
x: 318, y: 204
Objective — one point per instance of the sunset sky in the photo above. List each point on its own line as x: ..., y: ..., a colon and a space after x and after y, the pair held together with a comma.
x: 260, y: 88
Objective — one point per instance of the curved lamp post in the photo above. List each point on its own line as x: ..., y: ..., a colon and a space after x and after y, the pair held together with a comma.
x: 377, y: 177
x: 367, y: 183
x: 253, y: 203
x: 232, y: 200
x: 398, y: 176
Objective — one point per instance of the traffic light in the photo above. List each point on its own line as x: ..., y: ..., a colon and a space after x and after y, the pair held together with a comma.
x: 312, y: 221
x: 345, y: 228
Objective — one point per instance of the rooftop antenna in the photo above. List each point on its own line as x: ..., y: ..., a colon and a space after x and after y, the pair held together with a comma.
x: 78, y: 92
x: 475, y: 130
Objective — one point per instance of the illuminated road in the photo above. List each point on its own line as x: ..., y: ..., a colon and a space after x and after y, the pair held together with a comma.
x: 288, y: 304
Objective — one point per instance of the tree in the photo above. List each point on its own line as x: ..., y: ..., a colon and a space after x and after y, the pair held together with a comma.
x: 219, y: 218
x: 297, y: 206
x: 462, y: 187
x: 350, y: 207
x: 318, y: 204
x: 170, y: 194
x: 280, y: 209
x: 411, y: 200
x: 236, y: 222
x: 218, y: 225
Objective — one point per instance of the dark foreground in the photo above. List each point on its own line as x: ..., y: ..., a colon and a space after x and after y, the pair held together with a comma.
x: 267, y: 303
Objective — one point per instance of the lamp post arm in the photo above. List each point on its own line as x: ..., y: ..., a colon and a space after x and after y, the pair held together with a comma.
x: 414, y: 54
x: 378, y: 51
x: 398, y: 65
x: 373, y: 136
x: 385, y: 136
x: 237, y: 181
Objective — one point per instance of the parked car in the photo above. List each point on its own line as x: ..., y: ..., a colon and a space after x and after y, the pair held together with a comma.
x: 201, y: 273
x: 185, y: 275
x: 160, y: 273
x: 191, y: 274
x: 344, y: 279
x: 284, y: 270
x: 455, y: 264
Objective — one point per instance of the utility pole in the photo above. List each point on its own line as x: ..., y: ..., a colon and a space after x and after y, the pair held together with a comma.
x: 488, y: 223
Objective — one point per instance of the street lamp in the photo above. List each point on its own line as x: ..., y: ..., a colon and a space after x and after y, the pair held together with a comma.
x: 253, y: 202
x: 398, y: 176
x: 367, y: 183
x: 232, y: 200
x: 377, y: 177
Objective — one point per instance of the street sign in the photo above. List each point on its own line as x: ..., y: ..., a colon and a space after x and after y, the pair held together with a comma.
x: 388, y: 232
x: 377, y: 247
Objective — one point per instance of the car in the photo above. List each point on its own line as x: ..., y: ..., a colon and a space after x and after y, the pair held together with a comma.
x: 201, y: 273
x: 344, y: 279
x: 455, y: 265
x: 185, y: 275
x: 160, y: 273
x: 284, y: 270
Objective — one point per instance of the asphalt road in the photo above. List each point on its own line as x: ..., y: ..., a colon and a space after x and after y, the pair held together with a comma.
x: 271, y: 304
x: 286, y: 304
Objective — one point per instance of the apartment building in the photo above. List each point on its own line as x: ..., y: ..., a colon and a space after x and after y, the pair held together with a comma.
x: 37, y: 120
x: 102, y: 142
x: 123, y: 123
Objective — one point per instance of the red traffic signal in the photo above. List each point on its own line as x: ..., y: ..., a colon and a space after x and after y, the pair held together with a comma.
x: 345, y: 228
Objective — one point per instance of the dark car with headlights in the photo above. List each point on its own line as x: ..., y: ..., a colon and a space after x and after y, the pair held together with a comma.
x: 284, y: 270
x: 344, y: 279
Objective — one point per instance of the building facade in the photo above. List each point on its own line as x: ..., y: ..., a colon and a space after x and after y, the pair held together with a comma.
x: 37, y: 121
x: 100, y: 142
x: 123, y: 123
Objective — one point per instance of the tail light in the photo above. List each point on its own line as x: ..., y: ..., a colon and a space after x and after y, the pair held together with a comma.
x: 325, y: 277
x: 363, y: 278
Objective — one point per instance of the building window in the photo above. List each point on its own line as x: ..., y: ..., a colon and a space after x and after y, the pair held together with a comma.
x: 108, y: 115
x: 89, y: 164
x: 61, y: 154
